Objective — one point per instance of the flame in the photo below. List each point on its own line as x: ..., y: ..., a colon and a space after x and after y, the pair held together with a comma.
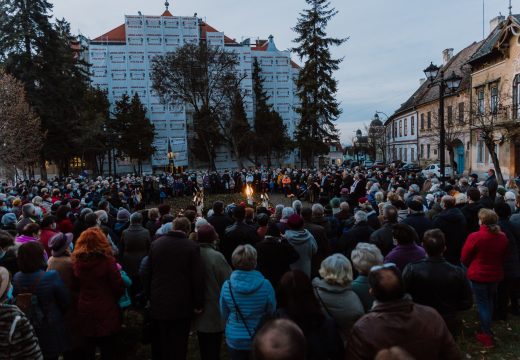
x: 249, y: 191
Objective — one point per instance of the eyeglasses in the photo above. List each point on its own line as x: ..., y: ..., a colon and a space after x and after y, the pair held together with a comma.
x: 384, y: 266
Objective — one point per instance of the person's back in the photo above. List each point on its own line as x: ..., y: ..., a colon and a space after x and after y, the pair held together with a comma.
x: 219, y: 220
x: 437, y: 283
x: 407, y: 250
x: 453, y: 224
x: 396, y: 321
x: 470, y: 211
x: 383, y: 237
x: 176, y: 276
x: 237, y: 234
x: 134, y: 245
x: 303, y: 242
x: 417, y: 219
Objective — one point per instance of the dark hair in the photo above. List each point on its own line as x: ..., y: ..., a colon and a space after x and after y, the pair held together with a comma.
x: 48, y: 220
x: 434, y: 242
x: 306, y: 214
x: 62, y: 212
x: 218, y: 207
x: 30, y: 257
x: 239, y: 213
x: 164, y: 209
x: 168, y: 218
x: 390, y: 213
x: 273, y: 230
x: 191, y: 215
x: 262, y: 219
x: 386, y: 284
x: 279, y: 339
x: 6, y: 239
x: 404, y: 234
x: 295, y: 295
x: 473, y: 194
x: 30, y: 229
x: 103, y: 205
x: 91, y: 220
x: 503, y: 210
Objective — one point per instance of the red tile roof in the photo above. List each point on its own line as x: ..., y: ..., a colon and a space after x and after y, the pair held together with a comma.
x: 167, y: 13
x: 261, y: 45
x: 115, y: 35
x: 206, y: 28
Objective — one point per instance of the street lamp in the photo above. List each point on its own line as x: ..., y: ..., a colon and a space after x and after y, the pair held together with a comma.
x: 452, y: 82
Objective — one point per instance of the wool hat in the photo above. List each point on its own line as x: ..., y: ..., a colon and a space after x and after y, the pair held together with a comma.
x: 207, y: 234
x: 8, y: 219
x: 59, y: 243
x: 344, y: 191
x: 123, y: 215
x: 4, y: 281
x: 295, y: 222
x: 362, y: 200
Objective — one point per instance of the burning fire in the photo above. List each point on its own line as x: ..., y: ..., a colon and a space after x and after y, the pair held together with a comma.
x: 249, y: 191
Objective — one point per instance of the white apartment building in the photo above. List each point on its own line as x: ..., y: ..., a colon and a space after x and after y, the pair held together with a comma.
x: 121, y: 64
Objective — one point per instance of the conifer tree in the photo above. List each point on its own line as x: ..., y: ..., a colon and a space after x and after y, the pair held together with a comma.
x: 316, y: 85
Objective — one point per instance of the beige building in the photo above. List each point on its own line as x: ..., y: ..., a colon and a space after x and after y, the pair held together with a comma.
x: 495, y: 85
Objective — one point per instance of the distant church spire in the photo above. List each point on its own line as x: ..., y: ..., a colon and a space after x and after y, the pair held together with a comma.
x: 510, y: 8
x: 167, y: 4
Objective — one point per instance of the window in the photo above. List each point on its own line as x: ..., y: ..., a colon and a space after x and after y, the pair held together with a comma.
x: 493, y: 105
x: 400, y: 153
x: 394, y: 125
x: 461, y: 112
x: 405, y: 154
x: 422, y: 151
x: 480, y: 151
x: 412, y: 126
x: 400, y: 128
x: 422, y: 121
x: 516, y: 97
x: 428, y: 149
x: 480, y: 101
x: 429, y: 121
x: 412, y: 155
x: 405, y: 127
x: 450, y: 115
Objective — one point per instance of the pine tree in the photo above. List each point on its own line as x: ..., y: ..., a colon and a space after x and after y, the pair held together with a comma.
x: 317, y: 87
x: 270, y: 131
x: 240, y: 133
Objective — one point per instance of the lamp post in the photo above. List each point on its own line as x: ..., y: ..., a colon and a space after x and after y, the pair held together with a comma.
x: 451, y: 83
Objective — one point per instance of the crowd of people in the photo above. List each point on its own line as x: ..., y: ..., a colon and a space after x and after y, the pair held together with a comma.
x: 379, y: 265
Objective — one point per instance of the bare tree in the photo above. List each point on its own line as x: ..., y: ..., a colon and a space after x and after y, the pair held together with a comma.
x: 22, y: 136
x: 377, y: 143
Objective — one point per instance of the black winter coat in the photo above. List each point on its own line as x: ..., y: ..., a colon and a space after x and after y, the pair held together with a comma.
x: 420, y: 223
x: 274, y: 258
x: 237, y: 234
x: 453, y: 224
x: 174, y: 277
x: 220, y: 222
x: 470, y: 212
x: 383, y: 238
x: 512, y: 263
x: 359, y: 233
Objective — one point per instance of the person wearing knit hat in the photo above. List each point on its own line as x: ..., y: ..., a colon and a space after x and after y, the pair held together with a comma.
x: 123, y: 215
x: 9, y: 223
x: 302, y: 241
x: 122, y: 222
x: 60, y: 243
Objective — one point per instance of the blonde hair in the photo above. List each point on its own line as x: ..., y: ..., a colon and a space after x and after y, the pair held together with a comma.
x: 244, y: 257
x: 489, y: 218
x: 337, y: 270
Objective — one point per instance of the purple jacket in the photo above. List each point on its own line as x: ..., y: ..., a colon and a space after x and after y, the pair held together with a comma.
x: 402, y: 255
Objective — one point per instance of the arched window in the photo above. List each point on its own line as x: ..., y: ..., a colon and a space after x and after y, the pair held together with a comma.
x: 516, y: 97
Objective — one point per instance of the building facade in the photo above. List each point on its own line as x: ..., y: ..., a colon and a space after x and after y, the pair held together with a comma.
x: 121, y: 62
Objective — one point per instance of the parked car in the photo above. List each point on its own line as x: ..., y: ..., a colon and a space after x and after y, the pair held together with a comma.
x: 378, y: 165
x: 409, y: 168
x: 436, y: 170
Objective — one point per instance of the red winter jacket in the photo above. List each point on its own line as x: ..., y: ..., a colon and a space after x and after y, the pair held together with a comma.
x: 484, y: 254
x: 100, y: 287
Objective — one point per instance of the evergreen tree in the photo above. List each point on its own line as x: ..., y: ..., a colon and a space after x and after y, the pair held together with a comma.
x: 240, y: 134
x: 316, y: 86
x: 270, y: 132
x: 134, y: 131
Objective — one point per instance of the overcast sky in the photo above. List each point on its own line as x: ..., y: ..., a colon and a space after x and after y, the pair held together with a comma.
x: 391, y: 41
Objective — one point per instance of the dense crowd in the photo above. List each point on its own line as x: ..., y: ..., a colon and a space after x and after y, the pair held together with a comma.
x: 379, y: 265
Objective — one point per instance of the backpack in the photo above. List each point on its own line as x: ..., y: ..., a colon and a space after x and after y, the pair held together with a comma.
x: 28, y: 303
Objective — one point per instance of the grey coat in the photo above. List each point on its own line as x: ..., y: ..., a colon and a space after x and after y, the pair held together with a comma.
x: 305, y: 245
x: 339, y: 302
x: 216, y: 272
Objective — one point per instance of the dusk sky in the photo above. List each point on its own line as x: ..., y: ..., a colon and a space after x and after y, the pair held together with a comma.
x: 391, y: 42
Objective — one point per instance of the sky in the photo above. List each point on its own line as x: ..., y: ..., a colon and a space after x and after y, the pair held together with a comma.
x: 390, y: 41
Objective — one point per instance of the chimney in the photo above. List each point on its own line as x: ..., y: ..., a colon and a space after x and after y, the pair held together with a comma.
x: 447, y: 54
x: 493, y: 23
x: 422, y: 81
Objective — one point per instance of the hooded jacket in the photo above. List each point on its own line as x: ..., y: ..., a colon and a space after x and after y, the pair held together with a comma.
x: 339, y: 302
x: 254, y: 297
x: 453, y: 224
x: 305, y: 245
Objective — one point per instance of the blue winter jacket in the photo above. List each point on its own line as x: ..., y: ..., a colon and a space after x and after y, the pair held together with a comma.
x: 254, y: 297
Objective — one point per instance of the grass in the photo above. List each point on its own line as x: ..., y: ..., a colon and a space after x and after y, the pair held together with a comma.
x: 507, y: 333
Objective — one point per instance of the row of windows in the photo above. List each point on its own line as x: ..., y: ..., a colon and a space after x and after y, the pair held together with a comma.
x: 428, y: 153
x: 403, y: 125
x: 483, y: 155
x: 493, y: 100
x: 402, y: 154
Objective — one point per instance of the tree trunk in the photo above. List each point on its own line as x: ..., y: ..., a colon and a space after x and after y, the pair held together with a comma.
x: 496, y: 162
